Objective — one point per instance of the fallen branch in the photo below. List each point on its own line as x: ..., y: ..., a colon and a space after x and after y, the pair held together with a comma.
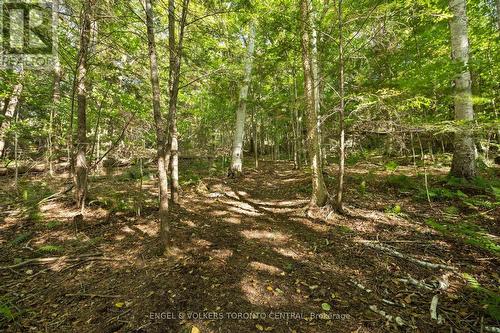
x: 407, y: 257
x: 360, y: 286
x: 56, y: 195
x: 92, y: 295
x: 433, y: 310
x: 415, y: 282
x: 492, y: 329
x: 39, y: 261
x: 390, y: 318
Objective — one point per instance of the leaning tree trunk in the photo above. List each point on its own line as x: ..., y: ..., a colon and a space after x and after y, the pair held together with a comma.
x: 319, y: 193
x: 464, y: 156
x: 10, y: 110
x: 236, y: 167
x: 160, y: 130
x: 81, y: 167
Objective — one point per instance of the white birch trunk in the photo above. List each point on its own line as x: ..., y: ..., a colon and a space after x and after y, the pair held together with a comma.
x: 9, y: 114
x: 239, y: 133
x: 464, y: 156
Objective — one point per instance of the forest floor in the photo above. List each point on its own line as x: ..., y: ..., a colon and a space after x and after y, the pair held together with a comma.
x: 247, y: 256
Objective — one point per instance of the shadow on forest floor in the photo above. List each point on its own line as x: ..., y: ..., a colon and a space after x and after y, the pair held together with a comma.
x: 245, y: 248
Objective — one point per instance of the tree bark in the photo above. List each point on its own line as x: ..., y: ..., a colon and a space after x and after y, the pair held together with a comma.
x: 464, y: 156
x: 160, y: 130
x: 239, y: 133
x: 10, y: 110
x: 81, y: 167
x: 498, y: 14
x: 56, y: 98
x: 175, y: 55
x: 340, y: 185
x: 319, y: 195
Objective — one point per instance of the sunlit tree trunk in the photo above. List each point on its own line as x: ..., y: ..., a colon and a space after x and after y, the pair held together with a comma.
x: 10, y: 110
x: 159, y: 126
x: 316, y: 74
x: 297, y: 130
x: 56, y: 98
x: 319, y: 194
x: 498, y: 14
x: 464, y: 156
x: 16, y: 152
x: 236, y: 167
x: 254, y: 140
x: 340, y: 185
x: 175, y: 54
x: 81, y: 167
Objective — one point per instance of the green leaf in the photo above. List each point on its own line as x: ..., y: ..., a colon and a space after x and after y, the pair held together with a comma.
x: 326, y: 306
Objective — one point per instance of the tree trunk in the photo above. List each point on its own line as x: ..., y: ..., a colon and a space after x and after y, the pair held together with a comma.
x: 498, y: 14
x: 319, y: 192
x: 175, y: 54
x: 16, y: 152
x: 81, y: 167
x: 56, y: 98
x: 160, y: 130
x: 10, y: 110
x: 315, y: 74
x: 340, y: 185
x: 254, y: 139
x: 464, y: 156
x: 239, y: 133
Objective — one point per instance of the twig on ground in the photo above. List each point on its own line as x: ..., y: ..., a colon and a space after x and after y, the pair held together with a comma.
x: 407, y: 257
x: 84, y: 257
x: 415, y: 282
x: 433, y: 310
x: 360, y: 286
x: 398, y: 320
x: 92, y: 295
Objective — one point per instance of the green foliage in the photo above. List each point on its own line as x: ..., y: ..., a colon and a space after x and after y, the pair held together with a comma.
x: 401, y: 182
x: 490, y: 299
x: 50, y: 248
x: 21, y: 238
x: 469, y: 233
x: 441, y: 194
x: 8, y: 311
x: 391, y: 166
x: 394, y: 210
x: 53, y: 224
x: 452, y: 210
x: 134, y: 173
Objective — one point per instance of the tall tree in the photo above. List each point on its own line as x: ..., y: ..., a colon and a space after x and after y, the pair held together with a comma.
x: 236, y: 167
x: 175, y: 55
x: 319, y: 193
x: 464, y: 156
x: 340, y: 184
x: 81, y: 167
x: 159, y: 127
x: 10, y: 109
x: 56, y: 98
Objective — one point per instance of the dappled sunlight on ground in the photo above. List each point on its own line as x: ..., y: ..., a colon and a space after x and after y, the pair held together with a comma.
x: 241, y: 245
